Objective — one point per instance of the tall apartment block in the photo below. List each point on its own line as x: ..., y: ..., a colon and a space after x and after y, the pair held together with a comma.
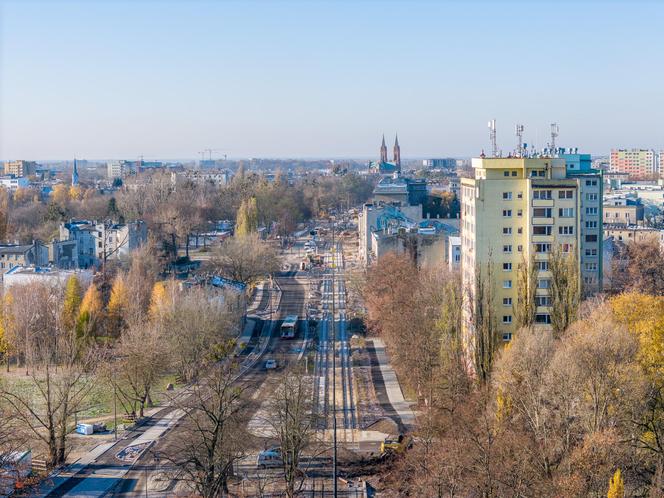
x: 517, y: 210
x: 20, y: 168
x: 638, y: 163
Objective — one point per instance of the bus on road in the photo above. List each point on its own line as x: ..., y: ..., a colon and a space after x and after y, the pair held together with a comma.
x: 288, y: 327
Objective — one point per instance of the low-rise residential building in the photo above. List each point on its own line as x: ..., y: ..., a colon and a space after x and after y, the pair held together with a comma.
x: 454, y: 253
x: 623, y: 211
x: 11, y: 182
x: 379, y: 217
x: 13, y: 255
x: 98, y: 242
x: 633, y: 233
x: 55, y: 277
x: 63, y: 254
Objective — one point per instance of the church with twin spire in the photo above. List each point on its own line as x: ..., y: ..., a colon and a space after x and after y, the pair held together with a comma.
x: 385, y: 167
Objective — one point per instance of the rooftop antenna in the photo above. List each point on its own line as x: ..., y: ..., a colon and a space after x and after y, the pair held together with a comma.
x: 554, y: 134
x: 519, y: 134
x: 492, y: 137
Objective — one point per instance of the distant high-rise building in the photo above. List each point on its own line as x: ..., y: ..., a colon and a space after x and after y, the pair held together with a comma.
x: 20, y: 168
x: 638, y: 163
x: 442, y: 163
x: 119, y: 169
x: 517, y: 211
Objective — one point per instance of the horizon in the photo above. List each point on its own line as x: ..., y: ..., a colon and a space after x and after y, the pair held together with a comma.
x: 319, y: 80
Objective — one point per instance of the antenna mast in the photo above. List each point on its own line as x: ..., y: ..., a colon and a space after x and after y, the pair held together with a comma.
x: 519, y: 134
x: 492, y: 137
x: 554, y: 134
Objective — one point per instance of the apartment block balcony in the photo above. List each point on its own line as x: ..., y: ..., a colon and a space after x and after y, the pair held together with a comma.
x: 543, y: 203
x: 543, y: 221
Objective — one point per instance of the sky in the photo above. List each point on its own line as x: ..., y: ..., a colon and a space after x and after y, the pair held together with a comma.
x: 311, y: 79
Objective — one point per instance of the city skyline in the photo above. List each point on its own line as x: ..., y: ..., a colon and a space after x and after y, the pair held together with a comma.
x: 316, y: 80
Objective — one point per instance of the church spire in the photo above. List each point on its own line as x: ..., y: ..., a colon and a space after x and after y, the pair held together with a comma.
x: 74, y: 175
x: 383, y: 151
x: 397, y: 152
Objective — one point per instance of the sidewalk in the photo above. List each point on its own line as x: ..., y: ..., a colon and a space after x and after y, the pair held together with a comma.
x: 391, y: 386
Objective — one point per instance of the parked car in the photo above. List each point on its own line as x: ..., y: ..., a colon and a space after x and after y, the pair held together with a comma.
x: 270, y: 364
x: 269, y: 458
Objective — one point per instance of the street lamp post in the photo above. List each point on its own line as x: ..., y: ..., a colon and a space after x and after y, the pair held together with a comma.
x: 334, y: 376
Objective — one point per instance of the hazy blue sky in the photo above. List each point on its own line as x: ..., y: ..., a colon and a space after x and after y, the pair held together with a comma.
x: 100, y: 79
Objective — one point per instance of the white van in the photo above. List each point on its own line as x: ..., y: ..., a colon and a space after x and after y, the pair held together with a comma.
x: 269, y: 459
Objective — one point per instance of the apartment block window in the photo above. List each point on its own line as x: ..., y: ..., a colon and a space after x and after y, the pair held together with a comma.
x: 591, y: 266
x: 519, y: 195
x: 543, y: 318
x: 591, y: 197
x: 507, y: 318
x: 507, y: 266
x: 507, y: 230
x: 591, y: 210
x: 542, y: 265
x: 566, y: 212
x: 507, y: 248
x: 591, y: 183
x: 566, y: 230
x: 542, y: 230
x: 537, y: 173
x: 591, y: 224
x: 543, y: 283
x: 591, y: 252
x: 519, y: 212
x: 507, y: 301
x: 506, y: 173
x: 514, y: 173
x: 542, y: 212
x: 566, y: 194
x: 507, y: 336
x: 519, y: 230
x: 519, y: 248
x: 507, y: 213
x: 542, y: 301
x: 591, y: 238
x: 542, y: 194
x: 567, y: 247
x: 542, y: 248
x: 507, y: 196
x: 507, y: 284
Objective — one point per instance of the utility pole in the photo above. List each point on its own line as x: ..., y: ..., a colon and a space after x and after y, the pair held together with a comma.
x: 334, y: 373
x: 115, y: 412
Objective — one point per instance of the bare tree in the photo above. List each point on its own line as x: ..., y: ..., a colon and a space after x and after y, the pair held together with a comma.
x: 205, y: 326
x: 294, y: 424
x: 61, y: 374
x: 526, y: 286
x: 565, y: 288
x: 141, y: 360
x: 245, y: 259
x: 213, y: 432
x: 483, y: 317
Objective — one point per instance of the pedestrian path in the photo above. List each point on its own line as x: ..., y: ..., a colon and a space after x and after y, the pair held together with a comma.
x: 387, y: 386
